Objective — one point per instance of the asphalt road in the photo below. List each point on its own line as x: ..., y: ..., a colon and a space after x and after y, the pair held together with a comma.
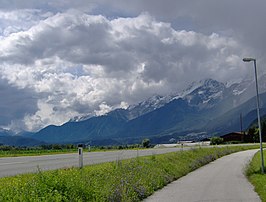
x: 220, y: 181
x: 18, y: 165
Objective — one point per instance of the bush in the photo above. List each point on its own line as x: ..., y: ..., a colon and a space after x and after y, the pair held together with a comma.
x: 216, y: 140
x: 146, y: 143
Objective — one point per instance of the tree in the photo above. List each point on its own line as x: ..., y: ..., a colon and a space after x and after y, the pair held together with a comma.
x: 146, y: 143
x: 263, y: 131
x: 251, y: 131
x: 256, y: 136
x: 216, y: 140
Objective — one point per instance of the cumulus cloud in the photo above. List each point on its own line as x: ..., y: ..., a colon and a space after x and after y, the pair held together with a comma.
x: 77, y: 63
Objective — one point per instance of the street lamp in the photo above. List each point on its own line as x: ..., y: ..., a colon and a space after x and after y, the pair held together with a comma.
x: 258, y: 110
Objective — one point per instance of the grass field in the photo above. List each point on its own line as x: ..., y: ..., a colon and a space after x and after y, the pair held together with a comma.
x: 10, y: 151
x: 127, y: 180
x: 255, y: 177
x: 15, y: 153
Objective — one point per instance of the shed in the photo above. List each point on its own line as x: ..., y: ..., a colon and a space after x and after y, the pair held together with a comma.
x: 233, y: 136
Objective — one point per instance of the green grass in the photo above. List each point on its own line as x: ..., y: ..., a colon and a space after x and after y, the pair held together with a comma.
x: 254, y: 175
x: 127, y: 180
x: 11, y: 151
x: 15, y: 153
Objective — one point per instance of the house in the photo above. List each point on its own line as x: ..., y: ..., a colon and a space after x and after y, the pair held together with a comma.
x: 233, y: 136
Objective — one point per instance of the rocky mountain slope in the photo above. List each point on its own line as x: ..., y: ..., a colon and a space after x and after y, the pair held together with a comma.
x: 205, y: 107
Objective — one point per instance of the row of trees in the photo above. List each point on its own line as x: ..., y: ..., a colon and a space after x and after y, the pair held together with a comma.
x: 253, y: 133
x: 145, y: 144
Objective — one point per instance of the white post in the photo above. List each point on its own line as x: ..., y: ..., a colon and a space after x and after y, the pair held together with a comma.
x: 80, y: 152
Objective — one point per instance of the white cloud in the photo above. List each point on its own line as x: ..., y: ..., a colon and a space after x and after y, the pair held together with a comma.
x: 78, y: 64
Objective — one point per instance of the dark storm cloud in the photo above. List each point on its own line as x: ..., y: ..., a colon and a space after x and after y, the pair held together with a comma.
x: 242, y: 19
x: 15, y: 103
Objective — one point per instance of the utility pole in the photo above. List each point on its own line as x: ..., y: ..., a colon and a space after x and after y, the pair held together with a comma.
x: 241, y: 123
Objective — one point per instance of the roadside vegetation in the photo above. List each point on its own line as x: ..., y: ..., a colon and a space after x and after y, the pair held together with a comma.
x: 126, y: 180
x: 254, y: 175
x: 12, y: 151
x: 216, y: 141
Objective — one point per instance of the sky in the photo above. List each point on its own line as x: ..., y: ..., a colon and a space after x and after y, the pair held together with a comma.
x: 62, y: 59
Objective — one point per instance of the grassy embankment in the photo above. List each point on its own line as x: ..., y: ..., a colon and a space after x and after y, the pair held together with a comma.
x: 254, y: 175
x: 127, y: 180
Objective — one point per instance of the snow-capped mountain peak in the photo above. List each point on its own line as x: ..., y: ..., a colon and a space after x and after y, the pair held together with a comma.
x: 154, y: 102
x: 203, y: 94
x: 146, y: 106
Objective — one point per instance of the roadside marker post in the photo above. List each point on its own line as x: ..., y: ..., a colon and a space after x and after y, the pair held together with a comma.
x: 80, y: 152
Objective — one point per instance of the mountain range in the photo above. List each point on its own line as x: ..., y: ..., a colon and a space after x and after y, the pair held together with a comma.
x: 204, y: 109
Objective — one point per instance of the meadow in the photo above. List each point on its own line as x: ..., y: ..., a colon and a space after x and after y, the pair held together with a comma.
x: 12, y: 151
x: 123, y: 180
x: 255, y: 176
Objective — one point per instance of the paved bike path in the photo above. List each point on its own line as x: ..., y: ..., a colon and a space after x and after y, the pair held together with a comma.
x: 221, y: 180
